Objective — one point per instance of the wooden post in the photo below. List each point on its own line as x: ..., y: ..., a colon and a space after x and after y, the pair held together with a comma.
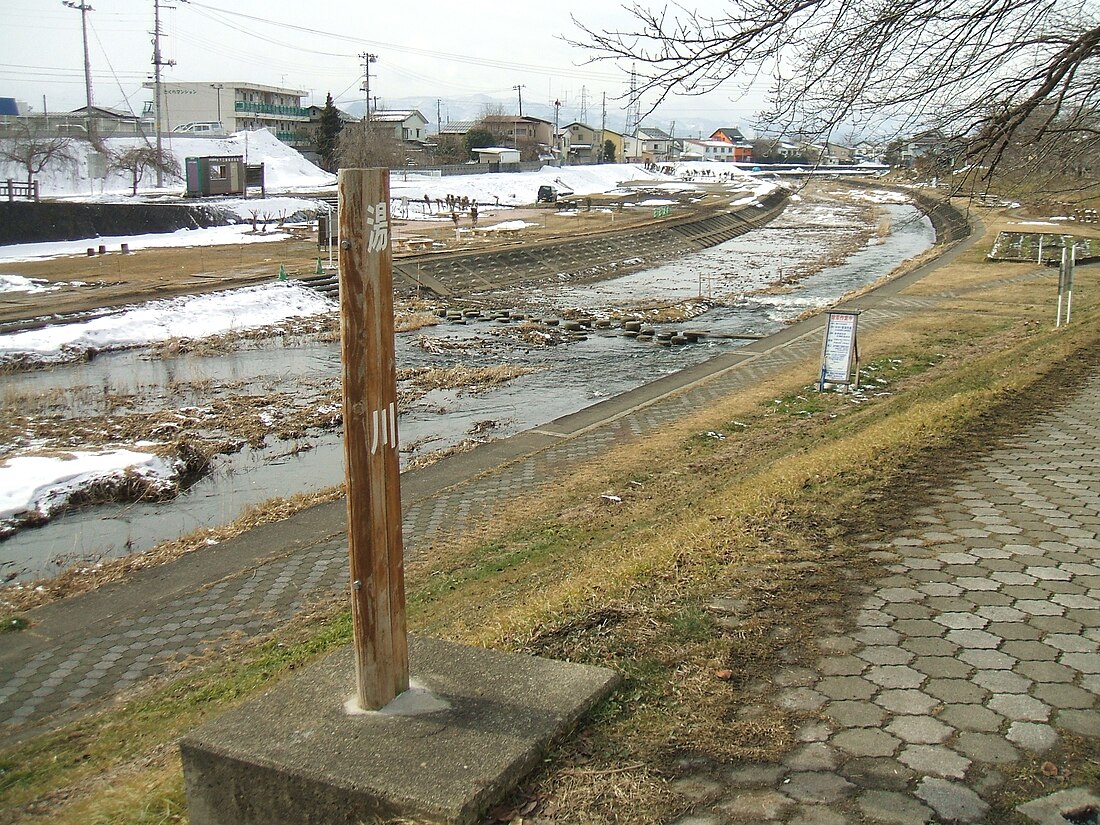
x: 370, y: 438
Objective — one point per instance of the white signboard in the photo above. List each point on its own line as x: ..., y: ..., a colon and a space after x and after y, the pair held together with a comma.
x: 97, y: 165
x: 840, y: 349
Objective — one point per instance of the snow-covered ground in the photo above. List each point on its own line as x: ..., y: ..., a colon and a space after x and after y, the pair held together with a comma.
x: 41, y: 485
x: 36, y: 486
x: 210, y: 236
x: 521, y: 188
x: 194, y: 316
x: 285, y: 170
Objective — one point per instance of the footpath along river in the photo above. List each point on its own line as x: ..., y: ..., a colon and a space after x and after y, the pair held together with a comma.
x: 733, y: 288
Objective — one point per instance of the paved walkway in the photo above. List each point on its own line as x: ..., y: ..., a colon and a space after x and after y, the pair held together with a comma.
x: 978, y: 647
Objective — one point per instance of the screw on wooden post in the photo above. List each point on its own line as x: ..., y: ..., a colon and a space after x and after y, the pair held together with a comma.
x: 370, y: 438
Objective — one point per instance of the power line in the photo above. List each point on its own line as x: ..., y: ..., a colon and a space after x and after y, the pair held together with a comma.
x: 449, y: 56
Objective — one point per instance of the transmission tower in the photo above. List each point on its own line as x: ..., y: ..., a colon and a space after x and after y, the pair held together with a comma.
x: 633, y: 106
x: 584, y: 105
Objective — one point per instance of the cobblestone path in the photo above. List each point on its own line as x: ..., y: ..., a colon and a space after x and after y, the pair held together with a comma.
x: 978, y: 647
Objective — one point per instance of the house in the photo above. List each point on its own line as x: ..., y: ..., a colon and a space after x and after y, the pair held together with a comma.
x: 866, y: 151
x: 714, y: 150
x: 834, y: 154
x: 729, y: 134
x: 408, y: 125
x: 457, y: 129
x: 315, y: 115
x: 717, y: 150
x: 648, y: 145
x: 585, y: 144
x: 237, y: 106
x: 77, y: 123
x: 497, y: 155
x: 930, y: 145
x: 106, y: 122
x: 516, y: 129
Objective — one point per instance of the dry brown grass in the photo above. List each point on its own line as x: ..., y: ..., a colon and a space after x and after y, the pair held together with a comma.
x: 470, y: 379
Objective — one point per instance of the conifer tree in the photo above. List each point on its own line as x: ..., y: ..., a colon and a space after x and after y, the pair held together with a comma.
x: 328, y: 134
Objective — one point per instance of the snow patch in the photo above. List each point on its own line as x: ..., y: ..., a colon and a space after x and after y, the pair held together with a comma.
x: 44, y: 484
x: 17, y: 283
x: 508, y: 226
x: 195, y: 316
x: 211, y: 236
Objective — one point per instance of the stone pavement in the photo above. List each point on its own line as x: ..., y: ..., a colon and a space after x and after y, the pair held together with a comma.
x: 978, y: 647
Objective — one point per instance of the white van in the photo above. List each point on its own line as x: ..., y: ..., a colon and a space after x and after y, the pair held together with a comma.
x: 201, y: 127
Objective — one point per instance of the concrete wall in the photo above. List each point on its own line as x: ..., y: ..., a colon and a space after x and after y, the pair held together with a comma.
x: 36, y: 222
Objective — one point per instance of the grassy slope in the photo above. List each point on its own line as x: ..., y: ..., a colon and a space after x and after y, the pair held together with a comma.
x: 770, y: 516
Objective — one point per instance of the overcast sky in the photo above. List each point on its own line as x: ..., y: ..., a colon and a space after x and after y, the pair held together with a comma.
x: 450, y: 49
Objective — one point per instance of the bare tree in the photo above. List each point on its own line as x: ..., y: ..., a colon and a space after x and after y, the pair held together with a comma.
x: 137, y: 160
x: 34, y: 149
x: 974, y: 68
x: 358, y: 148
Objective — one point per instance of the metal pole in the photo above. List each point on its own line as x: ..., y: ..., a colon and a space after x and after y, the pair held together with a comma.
x: 1069, y: 279
x: 1061, y: 282
x: 370, y: 438
x: 328, y: 207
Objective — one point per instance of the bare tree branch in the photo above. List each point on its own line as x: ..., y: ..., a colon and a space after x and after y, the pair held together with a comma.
x: 974, y: 69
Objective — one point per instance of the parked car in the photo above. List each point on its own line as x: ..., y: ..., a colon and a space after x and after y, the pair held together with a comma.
x: 201, y: 127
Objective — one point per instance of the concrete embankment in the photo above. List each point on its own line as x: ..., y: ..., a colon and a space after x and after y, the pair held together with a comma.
x: 53, y: 221
x: 593, y: 256
x: 587, y: 257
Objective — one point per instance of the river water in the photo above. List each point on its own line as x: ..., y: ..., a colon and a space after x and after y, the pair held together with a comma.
x: 568, y: 376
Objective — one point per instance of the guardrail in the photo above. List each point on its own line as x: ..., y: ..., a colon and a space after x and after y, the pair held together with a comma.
x: 12, y: 190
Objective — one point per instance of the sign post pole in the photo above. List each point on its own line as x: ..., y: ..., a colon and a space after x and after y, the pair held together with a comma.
x: 370, y: 438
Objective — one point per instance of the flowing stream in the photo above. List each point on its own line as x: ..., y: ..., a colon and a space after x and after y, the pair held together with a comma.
x: 568, y: 376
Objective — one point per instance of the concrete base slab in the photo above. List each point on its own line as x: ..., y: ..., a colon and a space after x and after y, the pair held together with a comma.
x: 478, y: 722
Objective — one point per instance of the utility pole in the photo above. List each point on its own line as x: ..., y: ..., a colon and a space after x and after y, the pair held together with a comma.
x: 84, y: 8
x: 520, y: 89
x: 672, y: 141
x: 603, y: 128
x: 367, y: 59
x: 218, y: 87
x: 158, y: 91
x: 557, y: 134
x: 438, y: 118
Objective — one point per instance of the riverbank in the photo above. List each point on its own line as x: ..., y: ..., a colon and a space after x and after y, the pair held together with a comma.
x: 737, y: 486
x: 261, y: 404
